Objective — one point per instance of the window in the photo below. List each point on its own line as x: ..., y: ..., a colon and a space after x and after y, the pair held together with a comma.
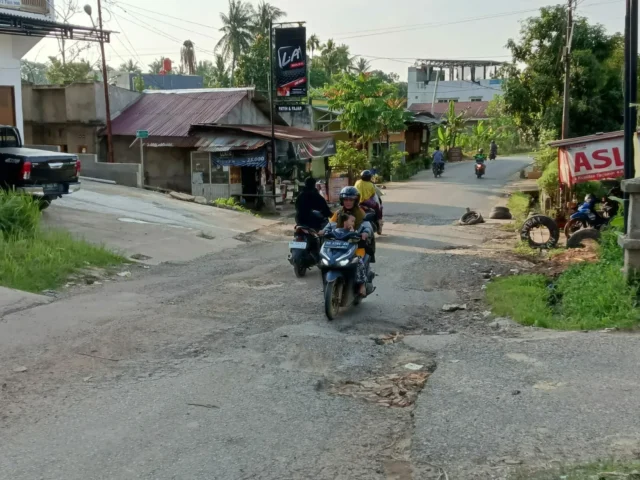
x: 475, y: 99
x: 8, y: 138
x: 219, y: 174
x: 447, y: 100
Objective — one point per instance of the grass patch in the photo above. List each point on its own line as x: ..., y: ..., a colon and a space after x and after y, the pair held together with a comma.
x: 231, y: 204
x: 33, y: 259
x: 588, y: 296
x: 593, y: 471
x: 519, y: 205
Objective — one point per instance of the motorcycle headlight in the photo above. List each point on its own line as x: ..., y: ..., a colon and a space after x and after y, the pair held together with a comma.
x: 325, y: 261
x: 343, y: 263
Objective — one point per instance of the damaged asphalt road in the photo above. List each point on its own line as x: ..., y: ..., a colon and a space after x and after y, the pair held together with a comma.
x: 224, y: 367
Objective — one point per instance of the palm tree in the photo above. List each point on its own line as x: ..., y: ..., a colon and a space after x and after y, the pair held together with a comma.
x: 344, y: 58
x: 313, y: 44
x: 220, y: 72
x: 328, y: 58
x: 266, y: 14
x: 130, y: 67
x: 237, y: 27
x: 156, y: 65
x: 362, y: 66
x: 188, y: 57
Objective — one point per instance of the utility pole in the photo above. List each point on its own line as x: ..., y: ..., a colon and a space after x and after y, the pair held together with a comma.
x: 630, y: 96
x: 271, y: 108
x: 567, y: 71
x: 106, y: 88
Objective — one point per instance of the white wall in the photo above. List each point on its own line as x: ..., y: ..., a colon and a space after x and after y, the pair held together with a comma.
x: 421, y: 91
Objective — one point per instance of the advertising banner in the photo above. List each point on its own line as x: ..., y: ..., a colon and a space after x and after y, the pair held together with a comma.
x: 291, y: 62
x: 592, y: 161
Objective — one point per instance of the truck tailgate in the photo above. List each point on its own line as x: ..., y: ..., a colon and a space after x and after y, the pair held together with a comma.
x: 54, y: 171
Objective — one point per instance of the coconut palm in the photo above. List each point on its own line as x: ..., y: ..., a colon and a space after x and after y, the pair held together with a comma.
x: 188, y: 57
x: 361, y: 66
x: 130, y: 67
x: 313, y: 44
x: 266, y: 14
x: 237, y: 26
x: 344, y: 58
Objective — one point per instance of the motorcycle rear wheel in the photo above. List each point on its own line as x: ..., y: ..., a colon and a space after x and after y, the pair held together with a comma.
x: 573, y: 226
x: 299, y: 271
x: 332, y: 294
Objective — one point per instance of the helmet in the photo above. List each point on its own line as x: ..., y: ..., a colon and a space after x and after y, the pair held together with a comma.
x: 310, y: 182
x: 350, y: 192
x: 589, y: 198
x: 480, y: 151
x: 366, y: 175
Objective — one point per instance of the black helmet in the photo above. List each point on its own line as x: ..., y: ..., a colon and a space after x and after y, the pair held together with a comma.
x: 350, y: 192
x: 480, y: 151
x: 310, y: 182
x: 366, y: 175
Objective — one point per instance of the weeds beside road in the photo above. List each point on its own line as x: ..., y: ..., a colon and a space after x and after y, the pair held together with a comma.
x: 34, y: 259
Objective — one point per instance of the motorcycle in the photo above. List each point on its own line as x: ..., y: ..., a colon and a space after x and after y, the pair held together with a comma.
x: 305, y: 248
x: 586, y: 217
x: 339, y: 263
x: 480, y: 169
x: 438, y: 168
x: 492, y: 156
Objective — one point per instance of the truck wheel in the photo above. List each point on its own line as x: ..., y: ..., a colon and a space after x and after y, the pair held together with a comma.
x: 44, y: 203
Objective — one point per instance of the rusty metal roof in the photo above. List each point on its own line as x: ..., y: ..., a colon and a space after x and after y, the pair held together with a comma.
x: 171, y: 114
x: 281, y: 132
x: 221, y: 142
x: 569, y: 142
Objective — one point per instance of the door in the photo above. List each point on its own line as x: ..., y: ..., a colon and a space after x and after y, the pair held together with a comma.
x: 7, y: 106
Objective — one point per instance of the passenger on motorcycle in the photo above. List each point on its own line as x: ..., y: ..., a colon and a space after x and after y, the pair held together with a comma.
x: 308, y: 201
x: 369, y: 195
x: 351, y: 216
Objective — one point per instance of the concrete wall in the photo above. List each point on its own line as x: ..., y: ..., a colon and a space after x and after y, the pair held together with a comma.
x: 121, y: 173
x: 74, y: 136
x: 168, y: 168
x: 48, y: 148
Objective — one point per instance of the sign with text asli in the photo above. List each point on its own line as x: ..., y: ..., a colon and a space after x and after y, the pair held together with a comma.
x: 592, y: 161
x: 291, y: 62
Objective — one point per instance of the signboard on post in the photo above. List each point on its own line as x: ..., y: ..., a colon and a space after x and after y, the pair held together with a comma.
x: 289, y: 108
x: 291, y: 62
x: 142, y: 134
x: 590, y: 161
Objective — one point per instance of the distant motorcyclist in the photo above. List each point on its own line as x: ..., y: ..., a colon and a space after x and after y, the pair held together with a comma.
x: 493, y: 150
x: 351, y: 216
x: 438, y: 157
x: 369, y: 195
x: 308, y: 201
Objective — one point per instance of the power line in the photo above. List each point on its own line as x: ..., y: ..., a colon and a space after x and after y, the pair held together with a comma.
x: 156, y: 13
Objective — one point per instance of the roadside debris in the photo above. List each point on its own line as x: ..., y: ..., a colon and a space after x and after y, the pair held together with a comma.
x: 540, y: 231
x: 140, y: 257
x: 471, y: 218
x: 393, y: 390
x: 203, y: 405
x: 413, y: 366
x: 182, y: 196
x: 454, y: 307
x: 20, y: 369
x: 389, y: 339
x: 124, y: 274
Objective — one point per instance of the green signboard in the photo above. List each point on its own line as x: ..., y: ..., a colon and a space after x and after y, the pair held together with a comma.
x: 142, y: 134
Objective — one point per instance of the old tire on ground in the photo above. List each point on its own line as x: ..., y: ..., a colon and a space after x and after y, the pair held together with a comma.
x: 471, y: 218
x: 500, y: 213
x: 537, y: 221
x: 576, y: 240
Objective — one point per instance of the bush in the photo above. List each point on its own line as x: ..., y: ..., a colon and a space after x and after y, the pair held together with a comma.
x: 549, y: 181
x: 519, y: 205
x: 19, y: 215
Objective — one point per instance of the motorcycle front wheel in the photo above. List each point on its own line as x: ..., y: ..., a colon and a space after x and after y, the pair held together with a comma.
x: 573, y: 226
x: 332, y: 299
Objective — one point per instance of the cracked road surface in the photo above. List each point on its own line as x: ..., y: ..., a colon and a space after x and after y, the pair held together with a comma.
x: 221, y: 367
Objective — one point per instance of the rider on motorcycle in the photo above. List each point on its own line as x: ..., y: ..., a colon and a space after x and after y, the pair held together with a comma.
x: 369, y: 195
x: 438, y: 157
x: 308, y: 201
x: 493, y: 150
x: 480, y: 157
x: 349, y: 201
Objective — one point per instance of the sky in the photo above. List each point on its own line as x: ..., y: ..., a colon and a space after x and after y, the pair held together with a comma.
x: 391, y: 35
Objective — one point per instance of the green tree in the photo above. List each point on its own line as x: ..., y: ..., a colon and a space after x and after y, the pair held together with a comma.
x: 253, y: 66
x: 33, y: 72
x: 266, y: 13
x: 130, y: 67
x: 348, y: 158
x: 454, y: 126
x: 368, y: 106
x: 533, y: 93
x: 361, y: 66
x: 313, y: 44
x: 237, y: 26
x: 156, y: 66
x: 188, y: 57
x: 71, y: 72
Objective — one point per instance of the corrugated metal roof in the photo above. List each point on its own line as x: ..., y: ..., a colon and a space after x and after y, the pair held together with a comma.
x: 471, y: 109
x: 221, y: 142
x: 569, y: 142
x: 170, y: 114
x: 281, y: 132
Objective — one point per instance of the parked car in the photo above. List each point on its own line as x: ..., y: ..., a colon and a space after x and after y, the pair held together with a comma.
x: 43, y: 174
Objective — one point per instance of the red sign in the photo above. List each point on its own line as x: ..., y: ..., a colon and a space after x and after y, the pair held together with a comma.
x: 592, y: 161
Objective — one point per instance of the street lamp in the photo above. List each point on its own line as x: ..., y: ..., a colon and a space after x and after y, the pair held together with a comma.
x: 88, y: 10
